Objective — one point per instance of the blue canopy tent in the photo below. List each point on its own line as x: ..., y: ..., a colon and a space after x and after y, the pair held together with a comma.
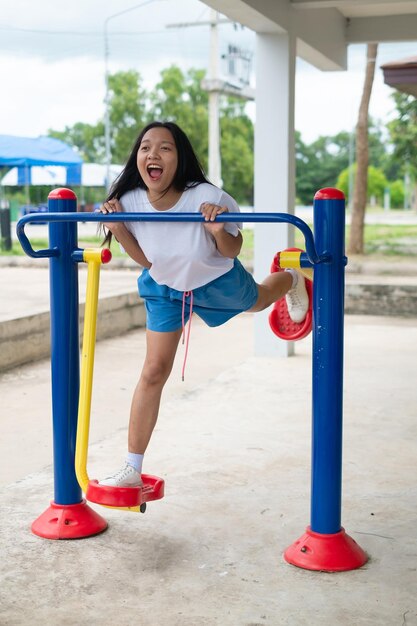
x: 25, y: 152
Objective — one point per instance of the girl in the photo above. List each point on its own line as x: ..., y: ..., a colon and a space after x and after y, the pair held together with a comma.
x: 187, y: 267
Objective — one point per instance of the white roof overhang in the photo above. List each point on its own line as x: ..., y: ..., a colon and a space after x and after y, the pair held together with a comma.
x: 324, y: 28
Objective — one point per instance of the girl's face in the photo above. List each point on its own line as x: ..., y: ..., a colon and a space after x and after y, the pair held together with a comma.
x: 157, y: 160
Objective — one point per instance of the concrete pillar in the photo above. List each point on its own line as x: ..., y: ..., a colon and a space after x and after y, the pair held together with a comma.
x: 274, y: 166
x: 214, y: 158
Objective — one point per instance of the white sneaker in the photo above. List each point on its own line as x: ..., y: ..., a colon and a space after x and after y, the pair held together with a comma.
x: 125, y: 477
x: 297, y: 301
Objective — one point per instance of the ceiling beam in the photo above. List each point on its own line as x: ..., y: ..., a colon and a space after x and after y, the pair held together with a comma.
x: 334, y: 4
x: 393, y: 28
x: 321, y: 40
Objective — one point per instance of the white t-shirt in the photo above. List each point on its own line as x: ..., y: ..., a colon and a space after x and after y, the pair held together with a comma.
x: 184, y: 255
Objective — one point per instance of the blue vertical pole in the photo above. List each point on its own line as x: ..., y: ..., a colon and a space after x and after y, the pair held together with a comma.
x: 328, y: 311
x: 65, y: 368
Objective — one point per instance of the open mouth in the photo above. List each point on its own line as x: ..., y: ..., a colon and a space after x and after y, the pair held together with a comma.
x: 154, y: 171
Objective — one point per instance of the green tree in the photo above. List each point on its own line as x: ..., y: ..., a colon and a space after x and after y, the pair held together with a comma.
x: 237, y: 150
x: 86, y: 138
x: 319, y: 164
x: 397, y: 194
x: 403, y: 133
x: 377, y: 145
x: 304, y: 163
x: 178, y: 97
x: 128, y: 104
x: 376, y: 182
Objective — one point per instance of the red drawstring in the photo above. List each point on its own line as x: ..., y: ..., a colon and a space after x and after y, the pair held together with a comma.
x: 186, y: 295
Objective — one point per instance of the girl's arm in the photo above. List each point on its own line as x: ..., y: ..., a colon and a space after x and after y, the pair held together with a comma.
x: 228, y: 245
x: 123, y: 235
x: 131, y: 246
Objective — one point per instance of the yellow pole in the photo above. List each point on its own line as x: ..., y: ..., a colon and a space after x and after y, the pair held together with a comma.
x: 93, y: 258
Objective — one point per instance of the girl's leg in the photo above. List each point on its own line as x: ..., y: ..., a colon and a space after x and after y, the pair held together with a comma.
x: 160, y: 354
x: 290, y: 284
x: 273, y: 288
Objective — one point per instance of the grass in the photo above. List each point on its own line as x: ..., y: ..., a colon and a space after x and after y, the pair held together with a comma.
x: 41, y: 244
x: 390, y: 240
x: 381, y: 241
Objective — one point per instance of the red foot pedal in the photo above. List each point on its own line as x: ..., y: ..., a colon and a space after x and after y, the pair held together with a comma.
x: 279, y: 320
x: 153, y: 489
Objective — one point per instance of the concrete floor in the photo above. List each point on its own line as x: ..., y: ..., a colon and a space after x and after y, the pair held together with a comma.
x: 233, y: 445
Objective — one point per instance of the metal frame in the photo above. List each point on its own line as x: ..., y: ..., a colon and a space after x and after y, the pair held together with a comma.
x: 324, y: 251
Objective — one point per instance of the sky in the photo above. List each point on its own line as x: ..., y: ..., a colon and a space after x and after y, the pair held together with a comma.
x: 52, y: 63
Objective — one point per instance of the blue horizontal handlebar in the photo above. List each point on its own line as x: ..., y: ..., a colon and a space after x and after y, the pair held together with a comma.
x: 161, y: 217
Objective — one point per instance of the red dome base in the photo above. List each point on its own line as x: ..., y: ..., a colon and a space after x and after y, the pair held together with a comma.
x: 327, y: 553
x: 68, y: 521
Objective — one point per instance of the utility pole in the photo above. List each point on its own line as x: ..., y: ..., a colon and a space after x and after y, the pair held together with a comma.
x: 214, y: 160
x: 213, y: 85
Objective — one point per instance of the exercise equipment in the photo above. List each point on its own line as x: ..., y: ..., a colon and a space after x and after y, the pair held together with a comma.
x: 279, y: 320
x: 126, y: 498
x: 325, y: 546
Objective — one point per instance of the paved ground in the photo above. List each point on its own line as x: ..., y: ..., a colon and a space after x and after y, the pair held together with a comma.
x: 233, y: 444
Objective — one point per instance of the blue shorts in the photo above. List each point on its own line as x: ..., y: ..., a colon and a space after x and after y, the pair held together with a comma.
x: 216, y: 303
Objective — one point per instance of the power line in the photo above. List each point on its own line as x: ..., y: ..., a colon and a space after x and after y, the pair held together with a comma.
x: 33, y: 31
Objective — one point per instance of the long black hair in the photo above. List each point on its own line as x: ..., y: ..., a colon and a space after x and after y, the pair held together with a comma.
x: 189, y: 171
